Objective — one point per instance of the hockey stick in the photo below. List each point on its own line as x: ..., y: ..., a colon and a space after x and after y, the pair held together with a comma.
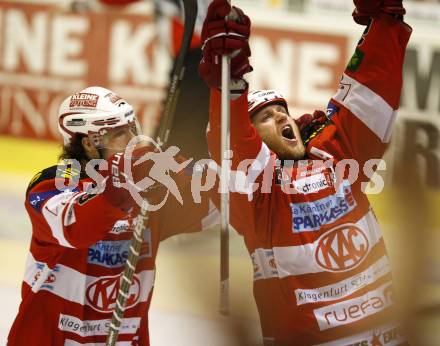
x: 190, y: 9
x: 224, y: 187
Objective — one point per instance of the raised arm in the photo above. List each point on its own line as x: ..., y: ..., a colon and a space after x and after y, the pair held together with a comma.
x: 250, y: 154
x: 230, y: 37
x: 365, y: 106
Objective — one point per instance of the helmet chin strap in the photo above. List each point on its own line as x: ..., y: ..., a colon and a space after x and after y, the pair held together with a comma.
x: 101, y: 153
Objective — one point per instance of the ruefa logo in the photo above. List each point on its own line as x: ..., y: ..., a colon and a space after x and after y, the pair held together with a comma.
x: 355, y: 309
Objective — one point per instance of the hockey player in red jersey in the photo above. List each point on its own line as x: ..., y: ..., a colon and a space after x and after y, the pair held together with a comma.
x: 80, y: 239
x: 321, y: 272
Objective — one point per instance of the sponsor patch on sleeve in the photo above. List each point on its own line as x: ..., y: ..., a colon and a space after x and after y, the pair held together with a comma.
x: 356, y: 60
x: 332, y: 109
x: 37, y: 199
x: 264, y: 264
x: 46, y: 174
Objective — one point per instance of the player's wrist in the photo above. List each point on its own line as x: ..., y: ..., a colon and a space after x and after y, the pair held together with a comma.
x: 237, y: 87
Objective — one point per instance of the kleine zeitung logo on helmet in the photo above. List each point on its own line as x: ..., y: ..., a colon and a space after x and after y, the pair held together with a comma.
x: 114, y: 98
x: 83, y: 100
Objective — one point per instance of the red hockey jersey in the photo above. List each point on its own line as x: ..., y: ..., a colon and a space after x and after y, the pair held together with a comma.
x: 321, y: 272
x: 78, y: 250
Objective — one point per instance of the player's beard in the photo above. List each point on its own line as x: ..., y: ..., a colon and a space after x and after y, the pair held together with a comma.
x: 284, y: 148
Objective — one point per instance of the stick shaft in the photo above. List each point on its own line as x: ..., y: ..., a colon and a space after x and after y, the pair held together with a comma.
x: 190, y: 7
x: 224, y: 181
x: 127, y: 278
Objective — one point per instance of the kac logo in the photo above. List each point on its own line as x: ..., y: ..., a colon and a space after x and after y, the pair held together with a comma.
x: 342, y: 248
x: 101, y: 294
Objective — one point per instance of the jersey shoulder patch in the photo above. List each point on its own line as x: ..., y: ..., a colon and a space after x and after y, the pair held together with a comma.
x: 45, y: 174
x: 63, y: 170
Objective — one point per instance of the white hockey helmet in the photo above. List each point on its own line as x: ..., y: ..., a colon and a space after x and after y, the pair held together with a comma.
x: 94, y: 112
x: 260, y: 98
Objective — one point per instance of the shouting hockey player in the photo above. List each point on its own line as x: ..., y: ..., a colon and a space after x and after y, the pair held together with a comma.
x: 321, y: 272
x: 80, y: 239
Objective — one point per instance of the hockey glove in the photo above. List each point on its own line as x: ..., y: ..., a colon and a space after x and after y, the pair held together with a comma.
x: 309, y: 124
x: 122, y: 179
x: 367, y: 9
x: 394, y: 7
x: 221, y: 36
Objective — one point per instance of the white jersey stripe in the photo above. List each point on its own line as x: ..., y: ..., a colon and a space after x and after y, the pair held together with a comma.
x: 72, y: 285
x: 356, y: 309
x: 302, y: 259
x: 86, y: 328
x: 243, y: 181
x: 388, y: 335
x: 346, y: 287
x: 53, y: 214
x: 259, y: 164
x: 368, y: 106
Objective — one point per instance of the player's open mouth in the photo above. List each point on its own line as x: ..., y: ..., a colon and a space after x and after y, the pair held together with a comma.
x: 288, y: 134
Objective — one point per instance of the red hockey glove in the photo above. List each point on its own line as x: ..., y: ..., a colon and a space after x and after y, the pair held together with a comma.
x: 224, y: 37
x: 308, y: 124
x: 367, y: 9
x: 394, y: 7
x: 117, y: 185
